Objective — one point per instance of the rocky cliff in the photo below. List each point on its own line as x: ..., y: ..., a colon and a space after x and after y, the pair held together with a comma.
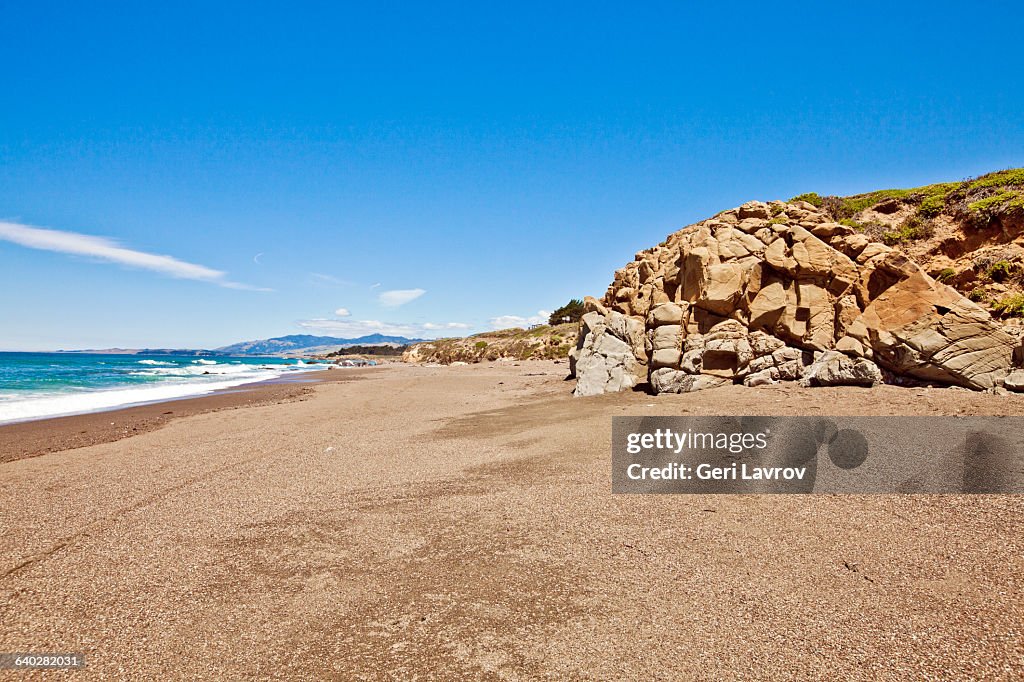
x: 791, y: 291
x: 967, y: 234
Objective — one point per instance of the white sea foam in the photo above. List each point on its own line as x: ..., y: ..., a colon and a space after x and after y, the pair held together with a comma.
x: 204, y: 362
x: 202, y: 370
x: 36, y: 406
x: 153, y: 362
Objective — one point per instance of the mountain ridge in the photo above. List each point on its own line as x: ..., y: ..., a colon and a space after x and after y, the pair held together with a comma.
x: 278, y: 345
x: 309, y: 343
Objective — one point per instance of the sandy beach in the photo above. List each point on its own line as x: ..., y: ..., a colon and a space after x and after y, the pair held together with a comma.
x: 457, y: 523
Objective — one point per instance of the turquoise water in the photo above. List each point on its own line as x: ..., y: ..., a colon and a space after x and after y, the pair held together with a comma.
x: 34, y: 385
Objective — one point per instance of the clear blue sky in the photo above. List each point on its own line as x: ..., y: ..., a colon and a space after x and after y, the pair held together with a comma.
x: 500, y: 158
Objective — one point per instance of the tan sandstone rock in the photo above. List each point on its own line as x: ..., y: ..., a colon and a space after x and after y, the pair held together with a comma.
x: 756, y: 292
x: 927, y: 330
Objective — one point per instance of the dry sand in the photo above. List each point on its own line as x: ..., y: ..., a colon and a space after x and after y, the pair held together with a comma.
x: 457, y: 523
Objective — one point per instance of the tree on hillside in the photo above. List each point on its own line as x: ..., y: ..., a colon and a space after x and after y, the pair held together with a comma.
x: 570, y: 312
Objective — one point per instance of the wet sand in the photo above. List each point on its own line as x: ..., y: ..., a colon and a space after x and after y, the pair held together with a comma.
x: 457, y: 523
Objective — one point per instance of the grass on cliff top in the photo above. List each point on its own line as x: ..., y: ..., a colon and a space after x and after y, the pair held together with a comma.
x: 932, y: 199
x: 546, y: 342
x: 978, y: 198
x: 564, y: 329
x: 812, y: 198
x: 520, y: 333
x: 1006, y: 178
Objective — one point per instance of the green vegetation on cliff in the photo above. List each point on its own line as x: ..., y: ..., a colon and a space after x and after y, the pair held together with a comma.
x: 968, y: 234
x: 982, y: 199
x: 543, y: 342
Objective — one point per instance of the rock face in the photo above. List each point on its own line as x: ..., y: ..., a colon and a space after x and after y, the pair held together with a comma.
x: 610, y: 355
x: 778, y: 292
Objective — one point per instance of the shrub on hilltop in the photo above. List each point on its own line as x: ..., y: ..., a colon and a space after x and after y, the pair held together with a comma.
x: 570, y: 312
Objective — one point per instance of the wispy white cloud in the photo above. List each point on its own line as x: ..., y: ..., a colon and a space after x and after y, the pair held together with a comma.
x: 448, y: 325
x: 356, y: 328
x: 327, y: 280
x: 342, y: 312
x: 506, y: 321
x: 101, y: 248
x: 397, y: 297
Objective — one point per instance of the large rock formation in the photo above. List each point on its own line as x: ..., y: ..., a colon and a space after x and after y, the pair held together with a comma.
x: 777, y: 291
x: 610, y: 354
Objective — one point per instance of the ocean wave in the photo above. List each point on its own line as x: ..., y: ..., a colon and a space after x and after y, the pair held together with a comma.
x: 169, y: 383
x: 153, y: 362
x: 204, y: 362
x: 199, y: 370
x: 94, y: 401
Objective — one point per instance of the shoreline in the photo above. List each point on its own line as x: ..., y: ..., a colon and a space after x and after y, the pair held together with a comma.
x: 59, y: 433
x: 46, y: 435
x: 103, y: 396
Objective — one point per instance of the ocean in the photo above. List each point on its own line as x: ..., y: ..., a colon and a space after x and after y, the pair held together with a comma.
x: 36, y: 385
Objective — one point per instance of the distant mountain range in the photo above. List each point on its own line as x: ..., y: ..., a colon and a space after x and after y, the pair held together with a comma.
x: 295, y: 344
x: 305, y: 343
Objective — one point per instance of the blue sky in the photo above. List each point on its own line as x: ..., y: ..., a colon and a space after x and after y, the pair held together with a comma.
x: 486, y: 162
